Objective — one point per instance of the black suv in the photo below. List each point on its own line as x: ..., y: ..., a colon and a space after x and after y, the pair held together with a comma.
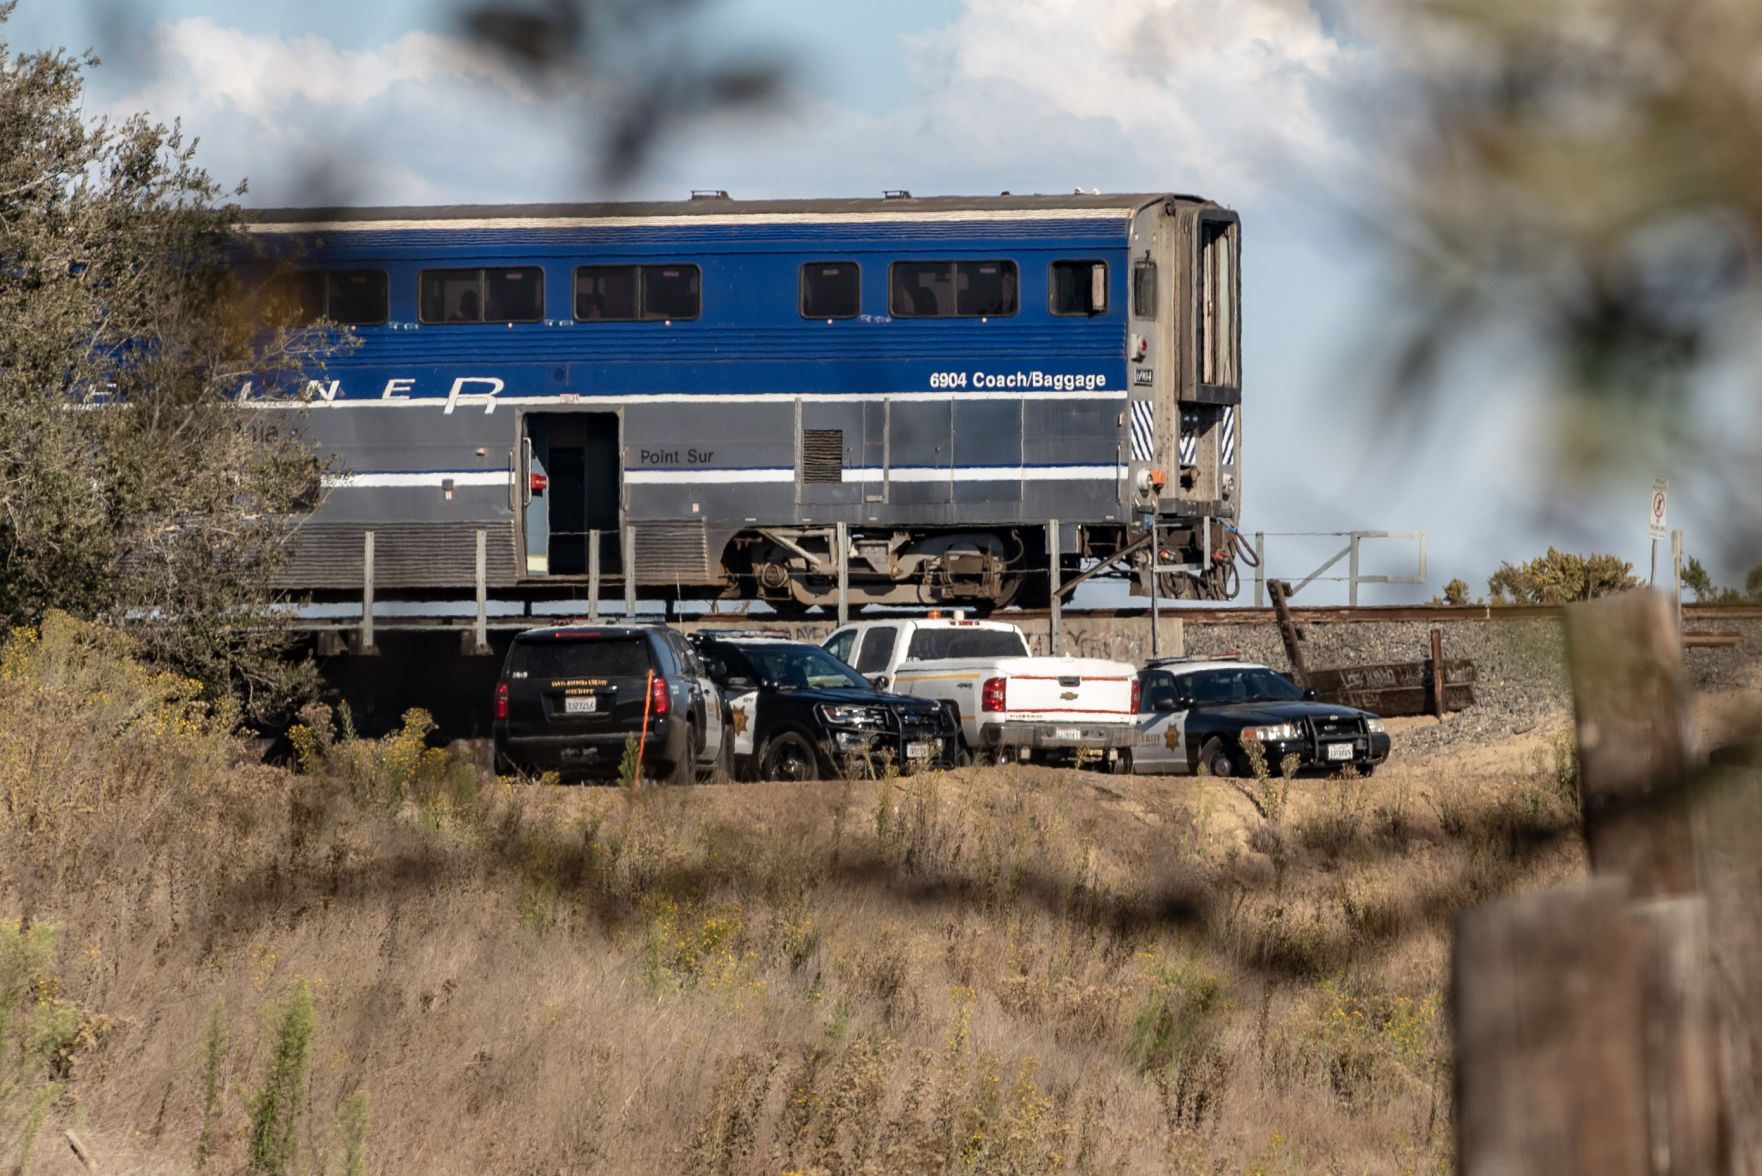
x: 1194, y: 713
x: 569, y: 697
x: 801, y: 714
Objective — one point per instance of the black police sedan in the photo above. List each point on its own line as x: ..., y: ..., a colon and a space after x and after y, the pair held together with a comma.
x: 801, y: 714
x: 1202, y: 712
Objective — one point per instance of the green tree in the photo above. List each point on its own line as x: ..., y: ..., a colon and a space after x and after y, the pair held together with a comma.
x: 1560, y: 578
x: 133, y: 488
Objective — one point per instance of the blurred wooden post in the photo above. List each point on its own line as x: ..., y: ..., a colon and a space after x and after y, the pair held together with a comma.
x: 1632, y: 705
x: 1438, y: 673
x: 1548, y: 1050
x: 1586, y: 1036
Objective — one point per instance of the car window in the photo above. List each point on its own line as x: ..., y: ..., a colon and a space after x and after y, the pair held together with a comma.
x: 800, y: 667
x: 877, y: 648
x: 1248, y: 684
x: 573, y: 656
x: 1157, y: 687
x: 838, y: 645
x: 929, y: 644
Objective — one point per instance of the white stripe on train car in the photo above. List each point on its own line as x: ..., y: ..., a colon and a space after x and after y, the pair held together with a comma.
x: 1119, y: 213
x: 472, y: 400
x: 390, y: 479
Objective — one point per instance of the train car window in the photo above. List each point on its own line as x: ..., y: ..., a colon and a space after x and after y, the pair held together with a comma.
x: 605, y: 292
x: 1077, y: 288
x: 985, y: 288
x: 952, y: 289
x: 1144, y: 290
x: 293, y: 299
x: 670, y: 292
x: 357, y: 298
x: 499, y: 295
x: 921, y: 289
x: 1217, y: 310
x: 349, y: 297
x: 514, y: 295
x: 831, y: 289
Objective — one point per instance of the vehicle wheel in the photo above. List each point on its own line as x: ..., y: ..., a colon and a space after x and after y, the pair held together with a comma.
x: 1122, y: 764
x: 1367, y: 769
x: 1215, y: 758
x: 788, y: 755
x: 685, y: 767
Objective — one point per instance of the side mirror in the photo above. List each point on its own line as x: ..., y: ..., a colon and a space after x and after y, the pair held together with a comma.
x: 1165, y: 703
x: 878, y: 681
x: 1311, y: 694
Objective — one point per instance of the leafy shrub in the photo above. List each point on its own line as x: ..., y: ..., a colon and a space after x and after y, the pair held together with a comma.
x: 1561, y: 578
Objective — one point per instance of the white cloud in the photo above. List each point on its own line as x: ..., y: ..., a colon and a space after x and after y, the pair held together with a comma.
x: 1232, y: 98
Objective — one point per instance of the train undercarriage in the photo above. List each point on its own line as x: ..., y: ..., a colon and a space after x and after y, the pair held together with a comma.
x: 793, y: 569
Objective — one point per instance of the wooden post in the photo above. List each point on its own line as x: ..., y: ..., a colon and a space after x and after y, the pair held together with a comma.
x: 480, y: 631
x: 1635, y: 745
x: 1259, y: 568
x: 1549, y: 1036
x: 1586, y: 1036
x: 1052, y: 556
x: 1280, y: 591
x: 367, y: 593
x: 1676, y: 575
x: 841, y: 537
x: 1438, y: 707
x: 630, y: 573
x: 593, y: 575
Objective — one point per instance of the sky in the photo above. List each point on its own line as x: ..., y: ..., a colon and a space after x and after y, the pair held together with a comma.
x: 1277, y: 108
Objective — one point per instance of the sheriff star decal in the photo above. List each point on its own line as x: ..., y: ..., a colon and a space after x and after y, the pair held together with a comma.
x: 1172, y: 740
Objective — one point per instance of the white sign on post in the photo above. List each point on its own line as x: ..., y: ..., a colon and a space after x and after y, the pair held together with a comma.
x: 1660, y: 499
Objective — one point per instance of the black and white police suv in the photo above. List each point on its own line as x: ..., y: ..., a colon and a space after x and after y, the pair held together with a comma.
x: 571, y: 696
x: 801, y: 714
x: 1201, y: 712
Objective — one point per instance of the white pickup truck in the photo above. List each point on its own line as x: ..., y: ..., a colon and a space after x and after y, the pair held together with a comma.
x: 1010, y: 704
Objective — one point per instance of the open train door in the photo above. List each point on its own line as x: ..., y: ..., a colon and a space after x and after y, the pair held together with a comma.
x: 569, y: 487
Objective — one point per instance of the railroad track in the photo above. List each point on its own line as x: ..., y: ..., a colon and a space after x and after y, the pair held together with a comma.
x: 1187, y: 613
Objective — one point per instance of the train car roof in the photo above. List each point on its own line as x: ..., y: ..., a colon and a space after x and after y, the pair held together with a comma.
x: 718, y: 207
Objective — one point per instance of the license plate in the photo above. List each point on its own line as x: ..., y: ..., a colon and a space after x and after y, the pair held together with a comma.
x: 923, y: 750
x: 1339, y: 751
x: 580, y: 704
x: 1068, y: 733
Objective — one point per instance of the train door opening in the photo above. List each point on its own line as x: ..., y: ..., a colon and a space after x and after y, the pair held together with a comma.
x: 572, y: 489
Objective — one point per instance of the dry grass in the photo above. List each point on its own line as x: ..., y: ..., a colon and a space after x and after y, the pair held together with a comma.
x: 996, y: 970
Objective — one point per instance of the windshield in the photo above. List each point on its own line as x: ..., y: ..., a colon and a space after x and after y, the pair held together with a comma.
x: 798, y: 667
x: 931, y: 644
x: 568, y: 656
x: 1248, y: 684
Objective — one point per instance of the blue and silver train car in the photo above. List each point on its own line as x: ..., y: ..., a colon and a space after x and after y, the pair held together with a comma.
x: 704, y: 389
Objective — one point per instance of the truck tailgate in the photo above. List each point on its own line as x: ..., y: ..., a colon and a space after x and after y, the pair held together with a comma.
x: 1068, y: 689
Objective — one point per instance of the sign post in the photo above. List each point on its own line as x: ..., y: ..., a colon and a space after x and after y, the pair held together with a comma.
x: 1655, y: 521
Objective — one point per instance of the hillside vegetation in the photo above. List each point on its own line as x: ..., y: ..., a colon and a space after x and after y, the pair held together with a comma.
x: 381, y: 961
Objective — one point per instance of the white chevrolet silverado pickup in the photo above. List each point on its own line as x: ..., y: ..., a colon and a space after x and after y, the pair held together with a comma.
x: 1009, y: 703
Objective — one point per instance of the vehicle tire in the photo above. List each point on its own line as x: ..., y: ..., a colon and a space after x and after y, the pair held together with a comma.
x: 1122, y: 765
x: 789, y: 755
x: 1367, y: 769
x: 685, y: 767
x: 1215, y: 758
